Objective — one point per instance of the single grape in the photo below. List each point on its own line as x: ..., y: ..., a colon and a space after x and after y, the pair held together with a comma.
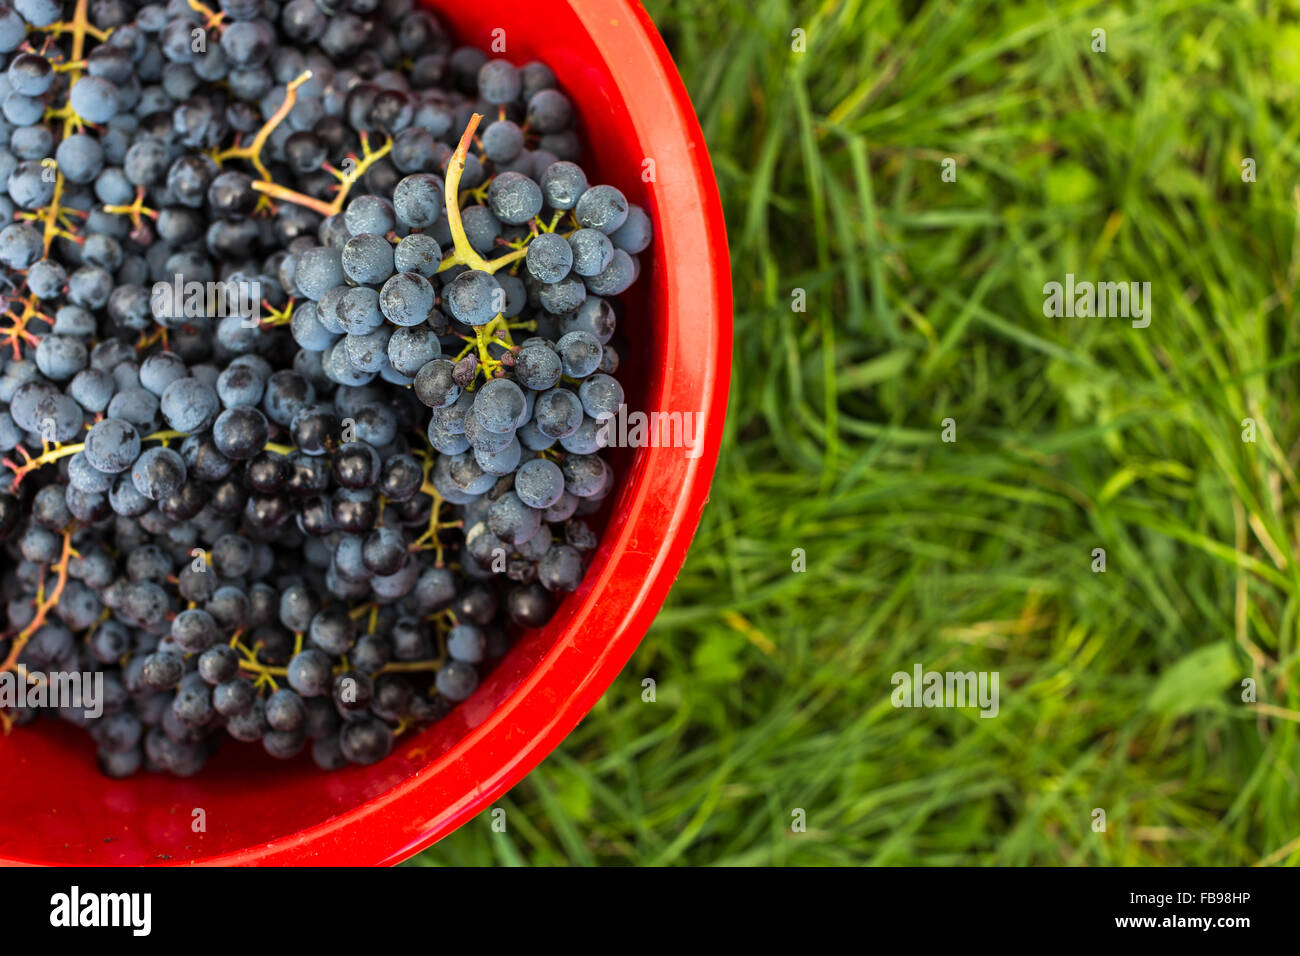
x: 549, y: 258
x: 112, y: 445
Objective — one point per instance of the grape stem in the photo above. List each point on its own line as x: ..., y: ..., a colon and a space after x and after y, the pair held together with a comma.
x: 18, y: 331
x: 407, y: 667
x: 44, y: 603
x: 63, y: 451
x: 264, y: 675
x: 79, y: 27
x: 346, y: 180
x: 435, y: 525
x: 464, y: 254
x: 277, y: 316
x: 148, y: 339
x: 496, y: 331
x: 135, y: 209
x: 253, y: 151
x: 211, y: 18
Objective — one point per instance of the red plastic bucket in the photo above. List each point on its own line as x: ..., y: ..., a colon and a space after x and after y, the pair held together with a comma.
x: 55, y: 807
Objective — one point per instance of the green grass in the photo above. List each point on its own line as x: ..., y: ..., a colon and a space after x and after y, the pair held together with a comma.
x: 1119, y: 690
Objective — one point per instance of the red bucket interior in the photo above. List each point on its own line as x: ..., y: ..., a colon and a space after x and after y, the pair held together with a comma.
x: 55, y: 807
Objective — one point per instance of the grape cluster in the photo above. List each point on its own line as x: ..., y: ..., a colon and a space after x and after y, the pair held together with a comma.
x: 310, y: 525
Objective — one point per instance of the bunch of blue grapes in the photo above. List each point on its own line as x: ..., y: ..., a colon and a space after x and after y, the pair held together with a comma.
x: 316, y: 520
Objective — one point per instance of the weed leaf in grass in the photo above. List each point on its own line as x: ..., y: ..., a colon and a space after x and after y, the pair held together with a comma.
x: 1196, y: 681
